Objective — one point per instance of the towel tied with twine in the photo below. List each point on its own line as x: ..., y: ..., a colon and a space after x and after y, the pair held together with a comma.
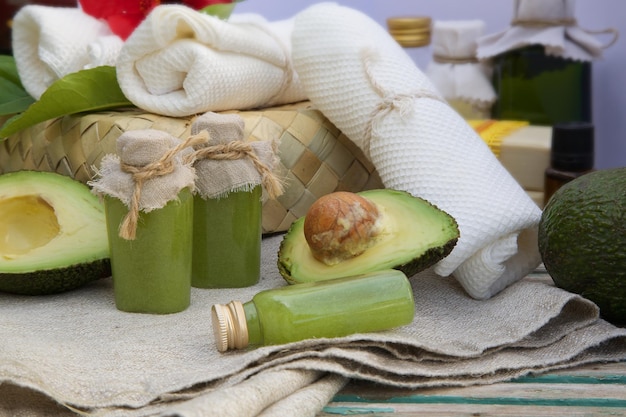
x: 150, y: 169
x: 226, y: 163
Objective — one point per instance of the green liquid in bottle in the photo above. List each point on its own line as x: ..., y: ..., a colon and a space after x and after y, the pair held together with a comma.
x: 541, y: 89
x: 152, y: 273
x: 227, y: 240
x: 325, y: 309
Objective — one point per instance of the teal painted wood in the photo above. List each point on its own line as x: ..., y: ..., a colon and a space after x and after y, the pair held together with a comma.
x: 444, y: 399
x: 351, y: 411
x: 572, y: 379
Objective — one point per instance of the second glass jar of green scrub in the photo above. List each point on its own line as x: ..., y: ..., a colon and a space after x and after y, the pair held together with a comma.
x: 231, y: 175
x: 227, y: 240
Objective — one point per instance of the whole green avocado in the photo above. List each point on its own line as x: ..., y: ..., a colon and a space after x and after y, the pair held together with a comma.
x: 582, y: 240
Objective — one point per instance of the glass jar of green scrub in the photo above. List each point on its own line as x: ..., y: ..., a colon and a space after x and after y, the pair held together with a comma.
x: 152, y: 272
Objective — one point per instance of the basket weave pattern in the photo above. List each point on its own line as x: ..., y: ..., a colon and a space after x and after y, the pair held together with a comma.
x: 315, y: 157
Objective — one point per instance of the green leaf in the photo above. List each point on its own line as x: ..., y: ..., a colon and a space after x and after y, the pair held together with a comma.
x: 8, y: 70
x: 13, y: 98
x: 221, y: 10
x: 88, y: 90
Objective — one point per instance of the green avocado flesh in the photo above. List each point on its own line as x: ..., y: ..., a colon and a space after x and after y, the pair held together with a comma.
x: 52, y: 234
x: 415, y: 235
x: 582, y: 240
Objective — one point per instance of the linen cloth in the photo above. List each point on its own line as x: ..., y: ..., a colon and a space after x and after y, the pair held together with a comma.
x: 180, y: 62
x: 78, y: 350
x: 50, y: 42
x: 366, y: 84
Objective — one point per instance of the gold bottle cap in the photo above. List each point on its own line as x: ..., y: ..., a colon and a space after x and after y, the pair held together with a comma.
x: 410, y: 31
x: 229, y: 326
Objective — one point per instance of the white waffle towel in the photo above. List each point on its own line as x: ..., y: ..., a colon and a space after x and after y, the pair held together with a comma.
x: 179, y: 62
x: 367, y: 85
x: 51, y: 42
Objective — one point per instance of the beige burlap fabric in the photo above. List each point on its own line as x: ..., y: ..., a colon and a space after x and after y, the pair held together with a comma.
x: 150, y: 169
x: 78, y: 350
x: 140, y: 148
x: 227, y: 162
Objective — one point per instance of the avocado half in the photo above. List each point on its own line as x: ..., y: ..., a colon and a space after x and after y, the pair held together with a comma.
x: 415, y: 235
x: 53, y: 234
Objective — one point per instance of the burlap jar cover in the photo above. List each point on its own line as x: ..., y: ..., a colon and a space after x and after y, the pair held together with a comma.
x: 225, y: 163
x: 150, y: 170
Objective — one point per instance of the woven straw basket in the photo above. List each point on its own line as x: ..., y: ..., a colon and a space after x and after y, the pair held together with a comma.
x: 316, y: 158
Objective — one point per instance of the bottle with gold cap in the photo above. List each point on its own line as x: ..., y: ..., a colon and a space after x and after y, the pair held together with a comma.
x: 332, y: 308
x: 410, y: 31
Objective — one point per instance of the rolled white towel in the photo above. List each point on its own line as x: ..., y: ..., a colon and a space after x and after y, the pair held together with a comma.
x: 367, y: 85
x: 180, y: 62
x: 51, y: 42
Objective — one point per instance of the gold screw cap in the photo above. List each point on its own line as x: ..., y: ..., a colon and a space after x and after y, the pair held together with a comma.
x: 230, y: 328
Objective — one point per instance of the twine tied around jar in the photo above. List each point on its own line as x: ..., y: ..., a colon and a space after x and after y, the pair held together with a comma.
x: 141, y: 174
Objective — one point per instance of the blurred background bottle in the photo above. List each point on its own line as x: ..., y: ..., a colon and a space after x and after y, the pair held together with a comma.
x: 571, y: 155
x: 541, y: 89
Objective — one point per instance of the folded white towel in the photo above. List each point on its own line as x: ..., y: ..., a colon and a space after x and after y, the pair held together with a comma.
x: 180, y: 62
x: 51, y: 42
x: 363, y: 81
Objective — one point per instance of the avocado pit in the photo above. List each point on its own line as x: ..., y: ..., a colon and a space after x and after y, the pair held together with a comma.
x: 340, y: 226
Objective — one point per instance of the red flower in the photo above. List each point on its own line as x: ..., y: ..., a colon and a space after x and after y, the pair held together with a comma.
x: 123, y: 16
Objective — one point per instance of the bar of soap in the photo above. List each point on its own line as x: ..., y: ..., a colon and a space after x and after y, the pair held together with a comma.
x: 524, y: 150
x: 525, y: 153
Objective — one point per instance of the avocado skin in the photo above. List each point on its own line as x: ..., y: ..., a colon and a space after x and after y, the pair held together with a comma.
x: 428, y: 259
x: 582, y: 240
x: 55, y: 281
